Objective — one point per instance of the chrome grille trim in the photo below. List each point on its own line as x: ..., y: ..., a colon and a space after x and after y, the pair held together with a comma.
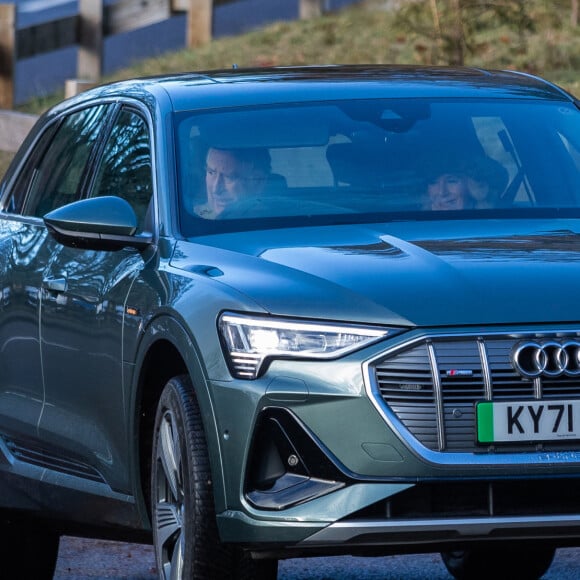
x: 426, y: 390
x: 538, y: 388
x: 485, y: 368
x: 437, y: 395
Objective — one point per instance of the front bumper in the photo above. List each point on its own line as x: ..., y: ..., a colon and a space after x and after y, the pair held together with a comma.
x: 377, y: 452
x: 412, y: 520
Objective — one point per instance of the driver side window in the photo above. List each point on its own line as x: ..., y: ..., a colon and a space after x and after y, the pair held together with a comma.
x: 126, y: 170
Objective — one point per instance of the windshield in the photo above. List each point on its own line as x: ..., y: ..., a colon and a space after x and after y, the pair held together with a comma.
x: 379, y: 159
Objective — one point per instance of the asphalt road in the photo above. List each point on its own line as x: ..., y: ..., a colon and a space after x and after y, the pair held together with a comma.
x: 81, y: 559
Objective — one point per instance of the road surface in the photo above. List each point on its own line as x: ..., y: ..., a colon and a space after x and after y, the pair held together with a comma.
x: 81, y: 559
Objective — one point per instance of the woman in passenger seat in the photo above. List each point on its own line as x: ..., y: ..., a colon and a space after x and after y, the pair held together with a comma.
x: 474, y: 183
x: 449, y: 190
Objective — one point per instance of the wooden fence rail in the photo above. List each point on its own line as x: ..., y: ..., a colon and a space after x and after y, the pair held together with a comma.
x: 94, y: 22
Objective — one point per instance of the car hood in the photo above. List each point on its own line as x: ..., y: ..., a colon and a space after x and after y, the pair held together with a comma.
x: 430, y: 273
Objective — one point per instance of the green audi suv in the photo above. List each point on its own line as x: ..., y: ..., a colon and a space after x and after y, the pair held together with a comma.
x: 256, y: 314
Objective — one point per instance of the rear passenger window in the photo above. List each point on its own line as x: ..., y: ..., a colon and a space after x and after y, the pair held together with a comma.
x: 56, y: 178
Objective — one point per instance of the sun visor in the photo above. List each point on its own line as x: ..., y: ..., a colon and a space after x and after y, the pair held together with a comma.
x: 265, y: 128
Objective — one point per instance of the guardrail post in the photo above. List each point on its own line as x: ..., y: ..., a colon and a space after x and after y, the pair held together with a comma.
x: 311, y: 8
x: 199, y: 22
x: 90, y: 55
x: 7, y: 54
x: 73, y: 87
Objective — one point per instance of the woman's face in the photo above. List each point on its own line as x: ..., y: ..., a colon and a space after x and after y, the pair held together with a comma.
x: 448, y: 191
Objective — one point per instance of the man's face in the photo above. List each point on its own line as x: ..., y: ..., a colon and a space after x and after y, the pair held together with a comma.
x: 448, y: 191
x: 226, y: 179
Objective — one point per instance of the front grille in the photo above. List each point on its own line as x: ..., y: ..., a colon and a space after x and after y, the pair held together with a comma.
x: 432, y: 386
x: 479, y: 499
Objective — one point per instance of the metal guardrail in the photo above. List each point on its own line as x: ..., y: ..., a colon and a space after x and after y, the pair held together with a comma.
x: 96, y: 21
x: 88, y: 30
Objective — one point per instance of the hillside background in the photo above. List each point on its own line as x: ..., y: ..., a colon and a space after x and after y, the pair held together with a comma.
x: 536, y: 36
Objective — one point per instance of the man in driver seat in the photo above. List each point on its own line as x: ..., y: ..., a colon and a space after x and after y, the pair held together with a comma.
x: 232, y: 175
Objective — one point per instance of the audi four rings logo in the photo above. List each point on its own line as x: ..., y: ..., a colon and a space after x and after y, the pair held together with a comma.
x: 551, y: 358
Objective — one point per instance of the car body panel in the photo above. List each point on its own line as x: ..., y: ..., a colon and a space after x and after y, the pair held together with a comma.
x: 223, y: 89
x: 25, y: 252
x: 85, y: 403
x: 380, y: 271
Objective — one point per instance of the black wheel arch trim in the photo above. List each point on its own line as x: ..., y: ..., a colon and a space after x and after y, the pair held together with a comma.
x: 164, y: 327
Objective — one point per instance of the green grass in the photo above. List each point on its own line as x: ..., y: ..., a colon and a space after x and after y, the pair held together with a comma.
x: 369, y: 33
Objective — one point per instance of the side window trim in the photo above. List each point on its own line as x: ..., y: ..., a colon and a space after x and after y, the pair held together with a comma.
x: 15, y: 200
x: 146, y: 216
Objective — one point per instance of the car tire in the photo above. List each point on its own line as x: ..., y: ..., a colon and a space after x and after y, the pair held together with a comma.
x: 185, y: 533
x: 502, y: 563
x: 28, y: 554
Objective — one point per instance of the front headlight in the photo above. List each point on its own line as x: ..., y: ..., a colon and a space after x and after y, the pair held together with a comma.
x: 249, y: 341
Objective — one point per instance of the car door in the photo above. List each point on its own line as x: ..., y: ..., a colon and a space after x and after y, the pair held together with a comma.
x: 83, y: 312
x: 51, y: 175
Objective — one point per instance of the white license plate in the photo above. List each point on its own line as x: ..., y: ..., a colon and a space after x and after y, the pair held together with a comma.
x: 504, y: 422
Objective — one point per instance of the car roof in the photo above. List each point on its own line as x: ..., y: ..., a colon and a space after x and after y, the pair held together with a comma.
x: 238, y: 87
